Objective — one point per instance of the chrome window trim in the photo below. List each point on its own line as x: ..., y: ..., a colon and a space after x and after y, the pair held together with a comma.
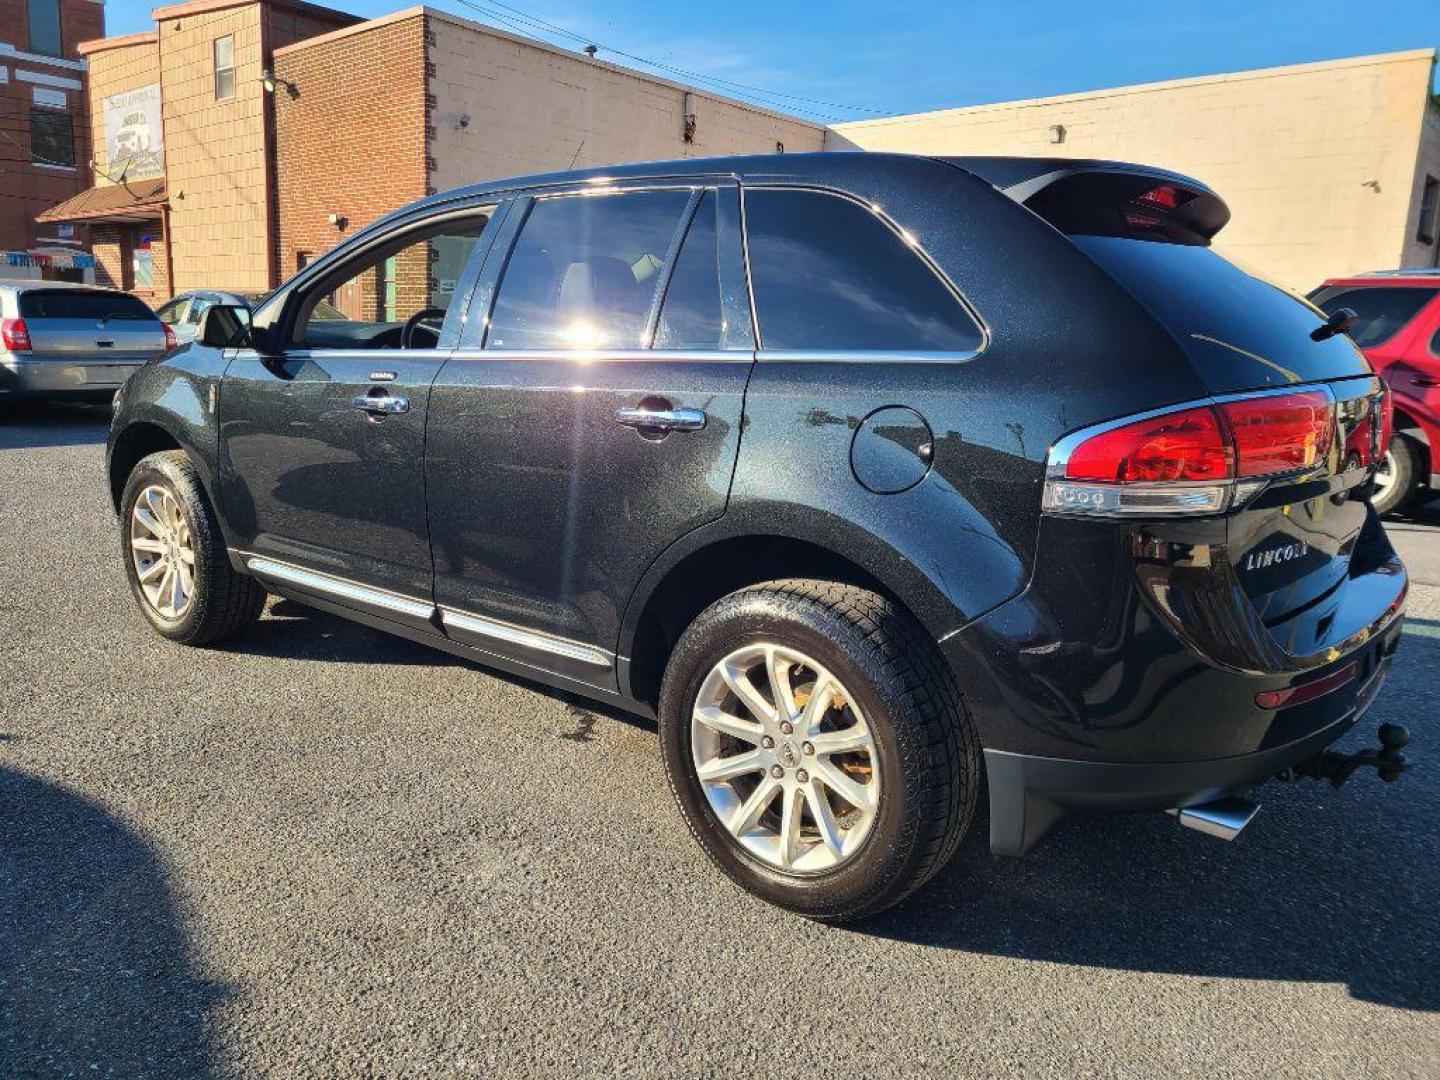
x: 336, y: 586
x: 535, y: 640
x: 605, y: 356
x: 866, y: 356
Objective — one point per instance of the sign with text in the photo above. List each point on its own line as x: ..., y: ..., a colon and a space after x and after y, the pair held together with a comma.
x: 134, y: 139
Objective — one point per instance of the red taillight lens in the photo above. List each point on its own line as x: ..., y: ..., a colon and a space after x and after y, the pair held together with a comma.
x: 169, y: 336
x: 1279, y: 433
x: 1186, y: 445
x: 15, y: 335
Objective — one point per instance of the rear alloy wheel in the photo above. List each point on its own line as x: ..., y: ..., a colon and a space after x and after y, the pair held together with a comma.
x: 817, y: 746
x: 1395, y: 476
x: 785, y: 758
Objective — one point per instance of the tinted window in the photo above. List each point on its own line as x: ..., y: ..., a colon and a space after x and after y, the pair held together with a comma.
x: 78, y: 304
x: 584, y: 271
x: 45, y: 27
x: 1383, y: 311
x: 1238, y: 330
x: 690, y: 316
x: 829, y: 274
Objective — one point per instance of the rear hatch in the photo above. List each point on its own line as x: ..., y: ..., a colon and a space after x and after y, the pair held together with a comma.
x: 1294, y: 540
x: 89, y: 324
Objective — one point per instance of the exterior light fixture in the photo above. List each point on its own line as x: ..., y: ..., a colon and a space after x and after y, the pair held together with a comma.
x: 270, y: 81
x: 1057, y: 133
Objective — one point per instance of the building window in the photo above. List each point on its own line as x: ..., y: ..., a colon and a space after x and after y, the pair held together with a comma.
x: 142, y: 265
x: 224, y: 67
x: 45, y: 35
x: 52, y: 138
x: 1429, y: 211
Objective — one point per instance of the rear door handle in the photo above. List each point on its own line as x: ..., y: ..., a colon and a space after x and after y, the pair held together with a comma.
x: 384, y: 404
x: 662, y: 419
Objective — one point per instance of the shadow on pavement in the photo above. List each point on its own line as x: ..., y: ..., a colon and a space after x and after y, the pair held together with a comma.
x: 1325, y: 886
x: 293, y: 631
x: 96, y: 977
x: 40, y: 425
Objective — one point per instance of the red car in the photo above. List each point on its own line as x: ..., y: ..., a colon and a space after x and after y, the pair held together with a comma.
x: 1399, y: 330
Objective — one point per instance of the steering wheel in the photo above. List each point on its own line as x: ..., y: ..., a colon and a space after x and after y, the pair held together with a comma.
x: 423, y: 315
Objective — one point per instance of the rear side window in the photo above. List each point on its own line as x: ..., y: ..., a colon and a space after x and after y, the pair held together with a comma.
x: 1383, y: 311
x: 76, y: 304
x: 691, y: 316
x: 584, y: 272
x: 830, y: 275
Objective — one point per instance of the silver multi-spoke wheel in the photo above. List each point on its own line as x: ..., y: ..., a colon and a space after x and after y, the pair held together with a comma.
x: 163, y: 552
x: 786, y: 759
x: 1384, y: 479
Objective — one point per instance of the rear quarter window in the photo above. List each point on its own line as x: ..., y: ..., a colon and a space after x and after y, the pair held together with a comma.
x: 830, y: 275
x: 1383, y: 311
x: 77, y: 304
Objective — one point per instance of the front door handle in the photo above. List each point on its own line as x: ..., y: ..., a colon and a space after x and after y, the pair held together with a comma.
x: 661, y: 419
x: 382, y: 403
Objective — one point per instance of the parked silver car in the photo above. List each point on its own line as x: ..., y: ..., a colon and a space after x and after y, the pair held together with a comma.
x: 64, y: 340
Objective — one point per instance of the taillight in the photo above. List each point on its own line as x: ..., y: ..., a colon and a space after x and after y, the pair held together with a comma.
x: 1299, y: 695
x: 15, y: 335
x: 169, y: 336
x: 1190, y: 460
x: 1279, y: 433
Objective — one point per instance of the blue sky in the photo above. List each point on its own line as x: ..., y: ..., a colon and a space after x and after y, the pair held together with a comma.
x: 878, y: 58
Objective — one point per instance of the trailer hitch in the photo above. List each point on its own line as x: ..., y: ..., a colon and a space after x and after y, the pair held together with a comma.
x: 1389, y: 760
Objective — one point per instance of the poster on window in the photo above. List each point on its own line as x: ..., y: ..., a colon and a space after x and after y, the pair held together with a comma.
x: 134, y: 140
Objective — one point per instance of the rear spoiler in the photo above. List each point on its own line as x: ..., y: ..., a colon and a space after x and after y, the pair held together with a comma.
x: 1106, y: 198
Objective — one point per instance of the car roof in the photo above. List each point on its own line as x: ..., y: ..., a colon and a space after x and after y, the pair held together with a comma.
x: 1006, y: 173
x: 1420, y: 275
x: 20, y: 285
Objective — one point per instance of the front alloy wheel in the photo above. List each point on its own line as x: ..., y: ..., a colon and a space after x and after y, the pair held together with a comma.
x: 164, y: 556
x: 785, y: 758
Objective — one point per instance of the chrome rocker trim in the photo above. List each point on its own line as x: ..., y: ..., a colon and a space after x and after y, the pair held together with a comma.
x: 476, y: 625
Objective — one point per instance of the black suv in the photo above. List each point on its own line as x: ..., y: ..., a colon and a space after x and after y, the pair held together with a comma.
x: 869, y: 476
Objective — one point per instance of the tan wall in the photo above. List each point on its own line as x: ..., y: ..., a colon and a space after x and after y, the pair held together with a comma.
x: 533, y: 108
x: 1289, y: 150
x: 215, y: 154
x: 1427, y: 164
x: 114, y: 71
x: 342, y: 148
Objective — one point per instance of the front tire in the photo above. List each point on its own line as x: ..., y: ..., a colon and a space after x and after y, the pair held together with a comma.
x: 175, y: 557
x: 817, y: 747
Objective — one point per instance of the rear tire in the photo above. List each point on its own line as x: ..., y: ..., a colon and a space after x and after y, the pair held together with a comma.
x: 1398, y: 483
x: 213, y: 602
x: 894, y: 693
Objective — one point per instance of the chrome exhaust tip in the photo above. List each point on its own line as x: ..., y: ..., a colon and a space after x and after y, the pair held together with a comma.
x: 1224, y: 818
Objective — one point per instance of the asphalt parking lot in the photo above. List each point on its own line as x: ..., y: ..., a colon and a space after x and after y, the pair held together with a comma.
x: 321, y: 850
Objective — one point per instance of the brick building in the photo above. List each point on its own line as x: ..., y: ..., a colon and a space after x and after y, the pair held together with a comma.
x: 44, y: 129
x: 208, y: 174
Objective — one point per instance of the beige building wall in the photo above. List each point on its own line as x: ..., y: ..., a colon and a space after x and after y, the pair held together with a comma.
x: 116, y: 69
x: 506, y: 106
x: 215, y: 151
x: 1292, y: 150
x: 1418, y: 253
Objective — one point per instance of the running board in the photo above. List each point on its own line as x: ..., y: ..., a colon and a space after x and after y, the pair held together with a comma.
x: 1224, y: 818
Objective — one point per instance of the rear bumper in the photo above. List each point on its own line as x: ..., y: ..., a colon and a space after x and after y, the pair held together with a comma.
x: 79, y: 377
x: 1028, y: 793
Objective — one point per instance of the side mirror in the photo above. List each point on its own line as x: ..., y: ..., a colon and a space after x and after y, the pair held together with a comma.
x: 1341, y: 321
x: 224, y: 326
